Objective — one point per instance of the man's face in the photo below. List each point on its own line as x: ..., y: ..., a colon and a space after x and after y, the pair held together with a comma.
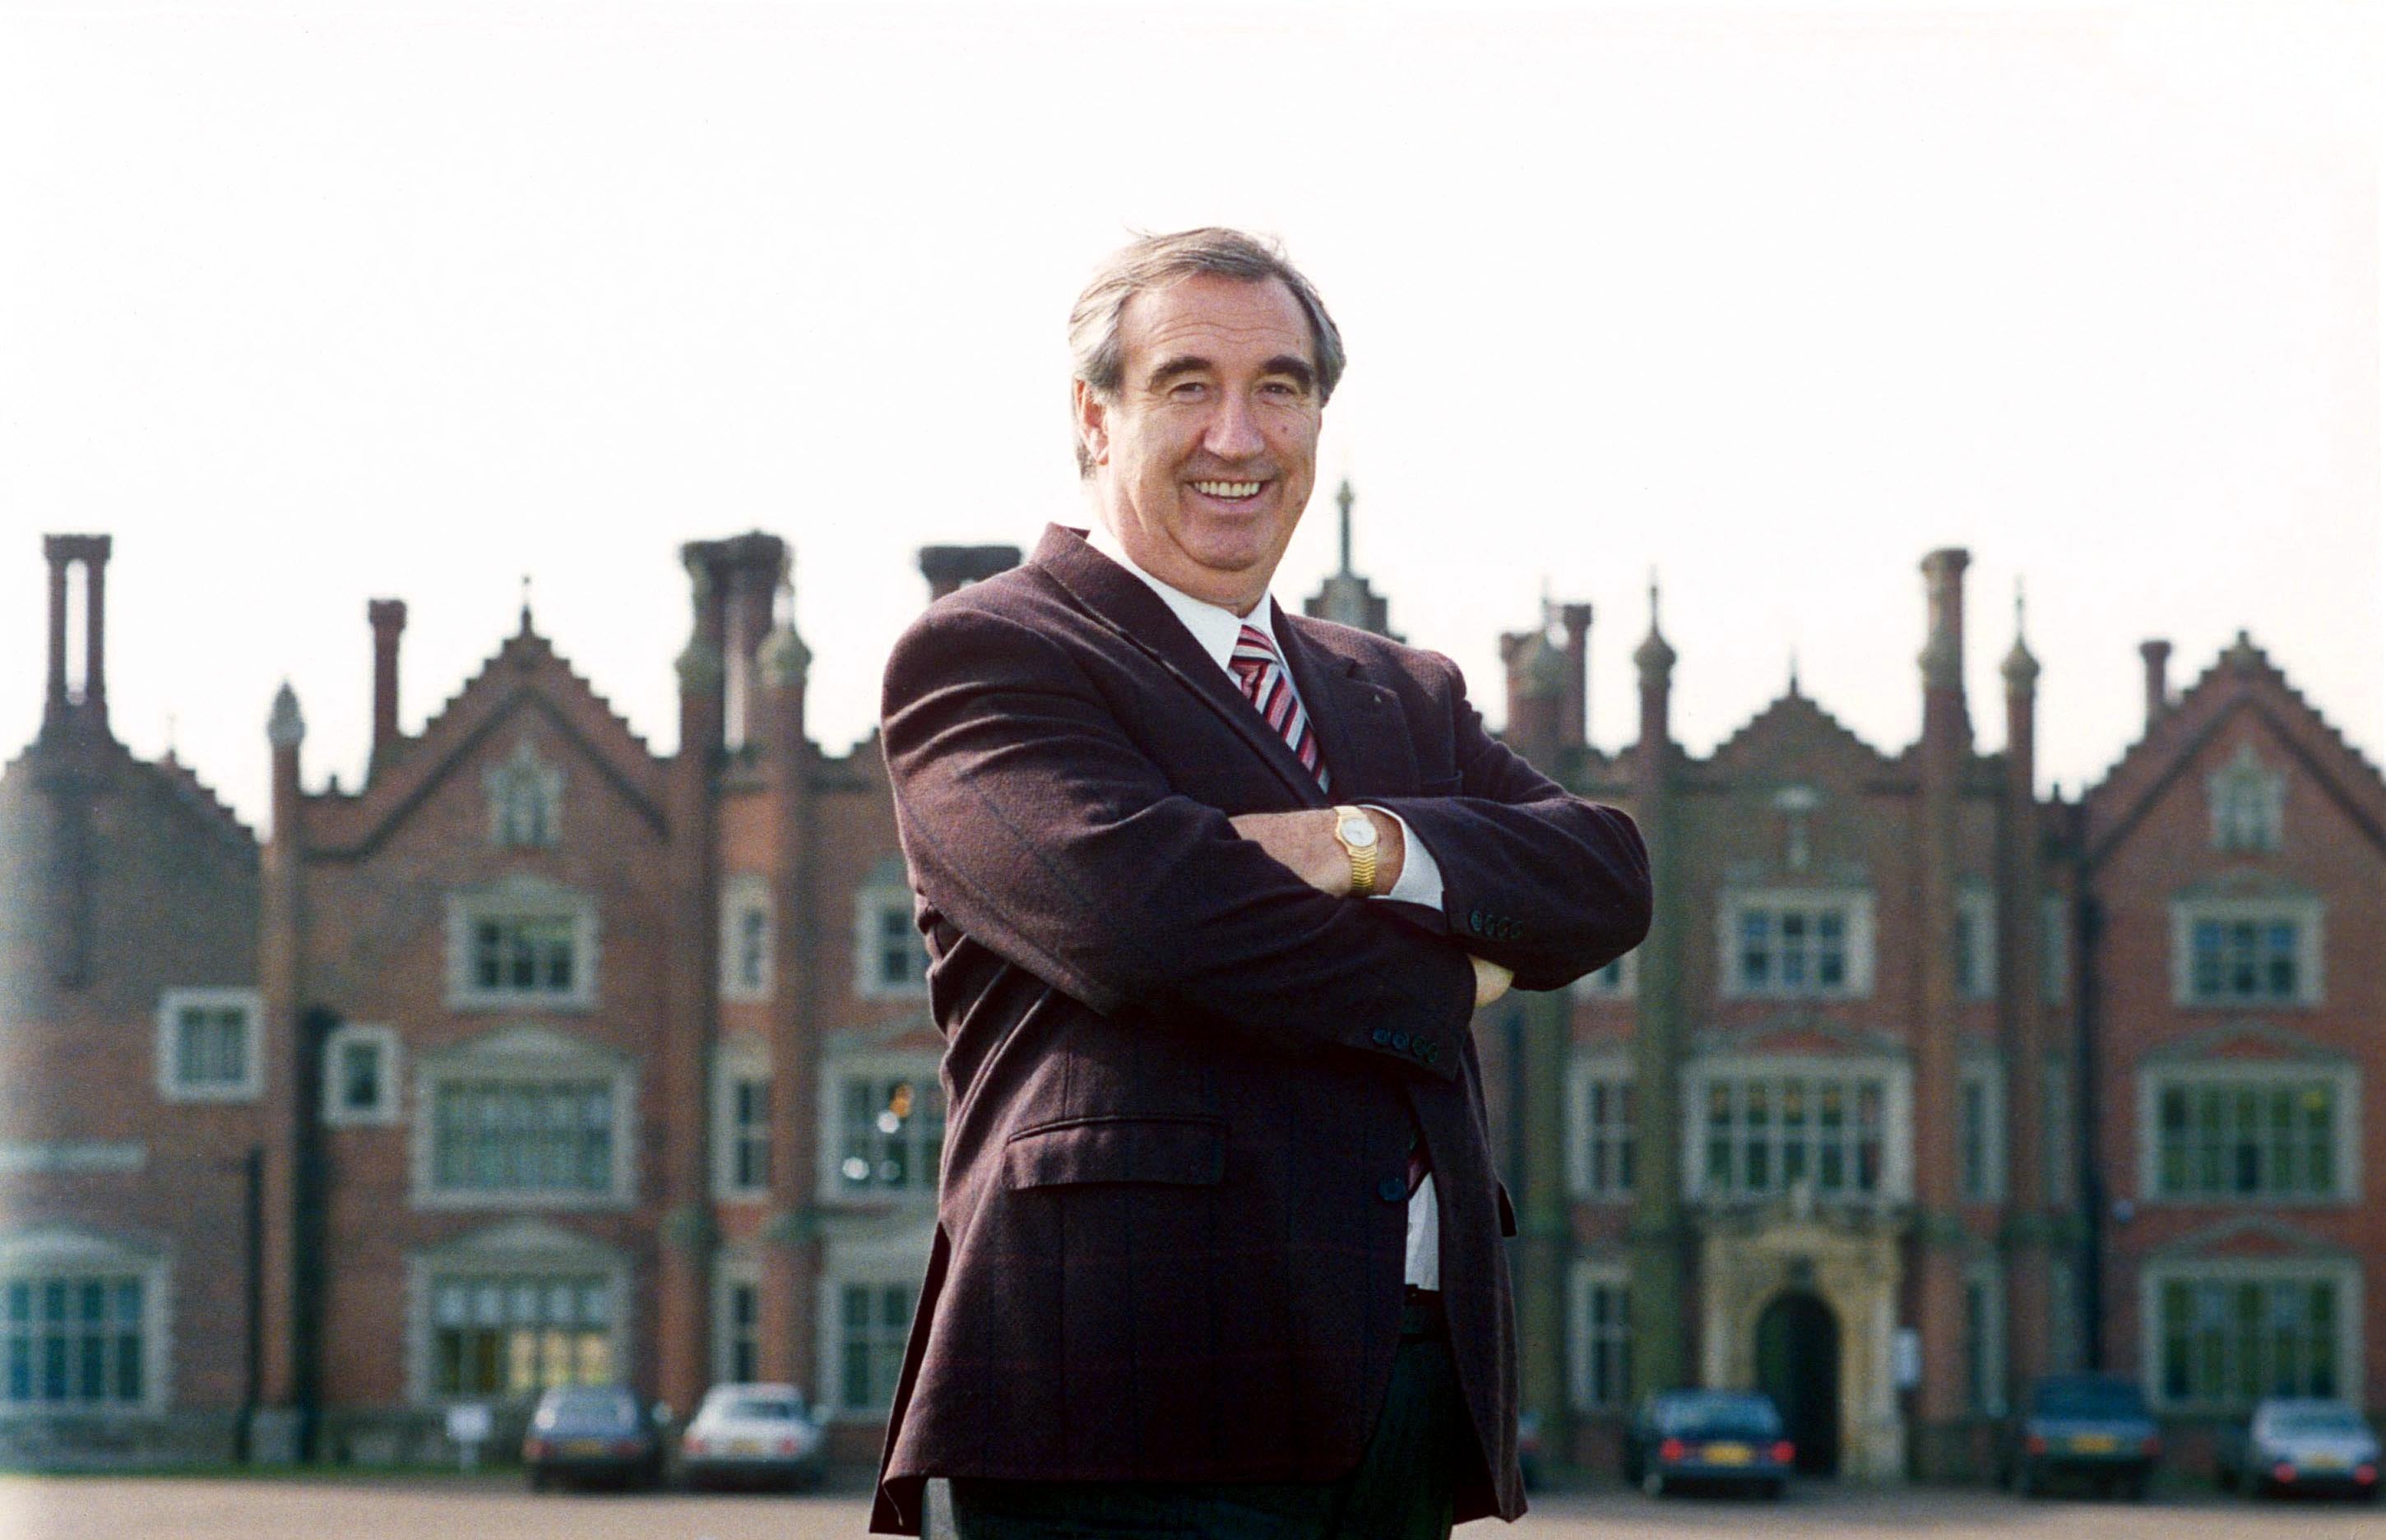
x: 1203, y: 463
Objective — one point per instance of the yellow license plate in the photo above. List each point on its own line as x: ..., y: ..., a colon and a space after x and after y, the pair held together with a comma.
x: 2325, y: 1462
x: 585, y: 1446
x: 745, y: 1445
x: 1729, y: 1454
x: 2094, y: 1444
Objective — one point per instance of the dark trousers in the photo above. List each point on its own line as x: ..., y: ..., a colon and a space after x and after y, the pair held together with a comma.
x: 1400, y: 1489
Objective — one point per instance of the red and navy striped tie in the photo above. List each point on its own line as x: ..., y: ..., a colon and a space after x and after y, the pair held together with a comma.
x: 1269, y: 688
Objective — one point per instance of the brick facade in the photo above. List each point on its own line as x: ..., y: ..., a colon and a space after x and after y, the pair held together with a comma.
x: 578, y: 1059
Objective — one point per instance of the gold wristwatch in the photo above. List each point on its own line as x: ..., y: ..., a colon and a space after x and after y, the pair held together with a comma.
x: 1356, y: 832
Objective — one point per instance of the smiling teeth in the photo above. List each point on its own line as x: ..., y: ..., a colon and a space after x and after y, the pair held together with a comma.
x: 1227, y: 489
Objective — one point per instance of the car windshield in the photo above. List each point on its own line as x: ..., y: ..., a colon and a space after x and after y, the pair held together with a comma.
x: 2090, y: 1399
x: 600, y: 1409
x: 1720, y: 1415
x: 761, y: 1408
x: 2310, y: 1420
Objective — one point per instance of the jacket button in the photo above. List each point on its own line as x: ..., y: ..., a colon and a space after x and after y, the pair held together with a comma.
x: 1474, y: 921
x: 1427, y: 1048
x: 1400, y: 1041
x: 1393, y: 1189
x: 1383, y: 1036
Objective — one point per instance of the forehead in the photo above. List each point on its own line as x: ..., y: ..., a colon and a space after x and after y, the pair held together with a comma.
x: 1226, y: 321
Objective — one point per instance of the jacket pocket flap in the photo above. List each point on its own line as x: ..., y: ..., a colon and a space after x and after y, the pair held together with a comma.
x: 1184, y: 1151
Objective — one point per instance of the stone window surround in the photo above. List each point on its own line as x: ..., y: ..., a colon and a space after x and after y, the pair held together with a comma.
x: 1584, y: 1069
x: 538, y: 1054
x: 869, y: 903
x: 521, y: 895
x: 520, y: 1249
x: 1896, y: 1116
x: 2246, y: 776
x: 1988, y: 1274
x: 170, y: 1004
x: 1987, y: 1072
x: 2053, y: 948
x: 742, y: 893
x: 2307, y: 912
x: 919, y: 1066
x: 336, y: 1113
x: 43, y: 1252
x: 738, y: 1060
x: 1857, y: 939
x: 1976, y: 916
x: 2343, y: 1271
x: 1583, y: 1275
x: 2158, y: 1075
x: 873, y: 1261
x: 545, y: 782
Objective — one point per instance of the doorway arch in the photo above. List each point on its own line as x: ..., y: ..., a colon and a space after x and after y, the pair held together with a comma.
x: 1798, y: 1365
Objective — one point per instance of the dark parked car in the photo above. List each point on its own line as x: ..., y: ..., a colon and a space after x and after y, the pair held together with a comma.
x: 593, y: 1432
x: 2301, y: 1445
x: 1713, y: 1438
x: 2092, y: 1427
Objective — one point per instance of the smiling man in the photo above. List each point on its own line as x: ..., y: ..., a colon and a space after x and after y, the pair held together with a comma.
x: 1212, y: 892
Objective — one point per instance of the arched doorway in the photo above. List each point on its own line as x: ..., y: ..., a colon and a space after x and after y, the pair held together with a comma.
x: 1798, y: 1365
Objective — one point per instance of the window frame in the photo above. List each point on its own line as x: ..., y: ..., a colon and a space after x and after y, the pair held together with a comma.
x: 2246, y: 772
x: 1583, y: 1071
x: 899, y: 1259
x: 2341, y: 1075
x: 735, y: 1268
x: 2308, y: 913
x: 1986, y: 1071
x: 522, y: 898
x: 1976, y: 926
x: 171, y: 1003
x: 1625, y: 971
x: 337, y: 1112
x: 525, y: 764
x: 524, y: 1250
x: 1986, y: 1274
x: 42, y: 1253
x: 870, y: 904
x: 1896, y: 1076
x: 741, y: 894
x: 922, y: 1068
x: 1856, y: 942
x: 1585, y: 1276
x: 2346, y: 1273
x: 740, y: 1062
x: 537, y: 1056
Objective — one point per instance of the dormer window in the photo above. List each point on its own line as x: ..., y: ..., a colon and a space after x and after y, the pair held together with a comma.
x: 526, y: 801
x: 2249, y: 802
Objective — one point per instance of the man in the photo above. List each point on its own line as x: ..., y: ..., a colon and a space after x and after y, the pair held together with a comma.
x: 1212, y: 892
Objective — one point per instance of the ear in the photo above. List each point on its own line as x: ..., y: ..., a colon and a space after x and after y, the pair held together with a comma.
x: 1093, y: 421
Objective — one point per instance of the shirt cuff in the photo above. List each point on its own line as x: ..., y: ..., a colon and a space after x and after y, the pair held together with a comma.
x: 1419, y: 873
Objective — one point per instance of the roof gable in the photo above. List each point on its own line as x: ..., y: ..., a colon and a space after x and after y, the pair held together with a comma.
x: 1795, y: 738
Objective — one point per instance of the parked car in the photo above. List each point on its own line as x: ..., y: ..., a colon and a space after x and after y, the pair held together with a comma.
x: 2293, y: 1445
x: 753, y: 1435
x: 582, y: 1433
x: 1716, y: 1438
x: 2092, y: 1427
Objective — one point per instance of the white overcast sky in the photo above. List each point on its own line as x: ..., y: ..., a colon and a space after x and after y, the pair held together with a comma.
x: 311, y: 303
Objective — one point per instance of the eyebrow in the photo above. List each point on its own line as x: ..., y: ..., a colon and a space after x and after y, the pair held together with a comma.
x: 1185, y: 363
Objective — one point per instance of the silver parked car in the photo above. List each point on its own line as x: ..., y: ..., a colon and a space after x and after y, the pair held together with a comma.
x: 753, y: 1435
x: 2293, y: 1445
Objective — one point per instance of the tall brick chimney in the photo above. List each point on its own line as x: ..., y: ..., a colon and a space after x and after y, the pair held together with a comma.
x: 1574, y: 725
x: 387, y: 618
x: 63, y: 551
x: 1943, y: 712
x: 949, y: 569
x: 2157, y: 658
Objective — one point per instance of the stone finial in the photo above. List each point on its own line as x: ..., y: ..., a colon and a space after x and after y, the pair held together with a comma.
x: 285, y: 729
x: 2156, y: 656
x: 1653, y: 655
x: 698, y: 667
x: 2019, y: 668
x: 784, y: 658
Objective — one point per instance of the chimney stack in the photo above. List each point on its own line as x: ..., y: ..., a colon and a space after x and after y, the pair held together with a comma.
x: 1943, y: 653
x: 2157, y: 656
x: 949, y: 569
x: 387, y: 618
x: 63, y: 551
x: 1574, y: 725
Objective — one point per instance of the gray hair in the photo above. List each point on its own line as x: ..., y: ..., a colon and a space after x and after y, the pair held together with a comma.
x: 1098, y: 358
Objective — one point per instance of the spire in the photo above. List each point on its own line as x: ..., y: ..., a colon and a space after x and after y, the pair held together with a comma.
x: 285, y: 728
x: 1793, y: 667
x: 525, y: 604
x: 1653, y: 655
x: 2019, y: 668
x: 1344, y: 497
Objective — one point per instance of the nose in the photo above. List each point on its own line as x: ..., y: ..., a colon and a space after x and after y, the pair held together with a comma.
x: 1234, y: 432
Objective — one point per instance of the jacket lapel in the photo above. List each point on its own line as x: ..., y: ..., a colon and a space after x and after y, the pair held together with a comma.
x: 1121, y: 601
x: 1360, y: 729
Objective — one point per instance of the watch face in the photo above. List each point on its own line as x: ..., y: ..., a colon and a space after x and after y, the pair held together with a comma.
x: 1358, y: 831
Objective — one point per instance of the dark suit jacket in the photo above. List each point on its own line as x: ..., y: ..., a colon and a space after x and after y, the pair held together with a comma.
x: 1180, y: 1081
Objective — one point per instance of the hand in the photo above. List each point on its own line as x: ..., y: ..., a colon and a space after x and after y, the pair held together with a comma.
x: 1303, y: 842
x: 1492, y: 980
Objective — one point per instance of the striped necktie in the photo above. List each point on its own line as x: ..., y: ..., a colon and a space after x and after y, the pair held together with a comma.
x: 1269, y: 688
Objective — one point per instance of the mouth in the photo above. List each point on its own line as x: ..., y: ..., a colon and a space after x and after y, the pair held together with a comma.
x: 1234, y: 493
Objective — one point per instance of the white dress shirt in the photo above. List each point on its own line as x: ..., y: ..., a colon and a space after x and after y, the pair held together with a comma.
x: 1217, y: 629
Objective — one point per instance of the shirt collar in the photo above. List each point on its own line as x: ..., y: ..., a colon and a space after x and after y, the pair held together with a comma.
x: 1214, y: 626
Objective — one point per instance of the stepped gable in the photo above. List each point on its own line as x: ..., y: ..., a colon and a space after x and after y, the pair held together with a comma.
x: 2241, y: 679
x: 1794, y: 738
x: 526, y: 673
x: 200, y: 797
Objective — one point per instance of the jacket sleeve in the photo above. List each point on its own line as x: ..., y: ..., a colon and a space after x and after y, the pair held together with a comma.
x: 1035, y: 825
x: 1542, y: 881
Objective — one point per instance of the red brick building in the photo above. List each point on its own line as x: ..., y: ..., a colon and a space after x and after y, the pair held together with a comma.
x: 566, y: 1059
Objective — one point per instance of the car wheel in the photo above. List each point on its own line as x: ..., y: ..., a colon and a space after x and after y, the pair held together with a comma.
x: 536, y: 1478
x: 2026, y: 1481
x: 1771, y: 1491
x: 1654, y: 1483
x: 2134, y: 1488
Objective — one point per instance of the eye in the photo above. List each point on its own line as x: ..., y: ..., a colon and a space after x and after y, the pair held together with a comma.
x: 1188, y: 390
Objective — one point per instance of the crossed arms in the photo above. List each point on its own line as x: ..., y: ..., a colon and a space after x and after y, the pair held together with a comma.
x: 1036, y: 826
